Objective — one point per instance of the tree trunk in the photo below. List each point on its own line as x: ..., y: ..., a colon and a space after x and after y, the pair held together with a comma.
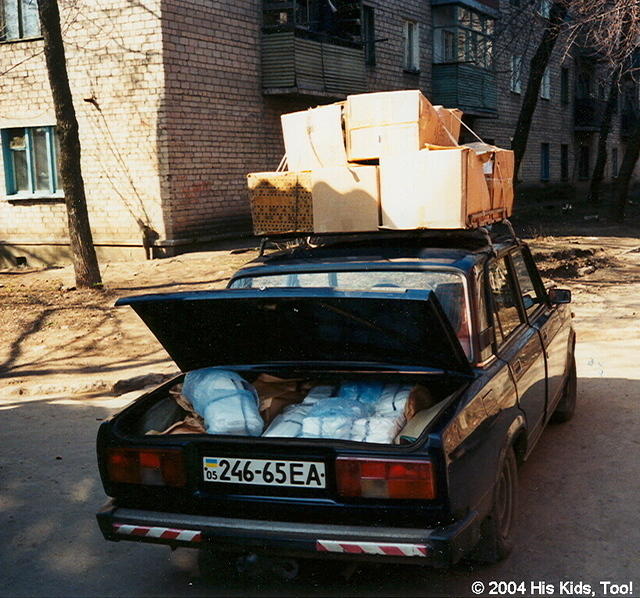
x: 627, y: 167
x: 605, y: 127
x: 538, y: 65
x: 85, y: 262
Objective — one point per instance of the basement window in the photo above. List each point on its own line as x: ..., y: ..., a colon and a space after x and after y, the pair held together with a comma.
x: 19, y: 20
x: 30, y: 156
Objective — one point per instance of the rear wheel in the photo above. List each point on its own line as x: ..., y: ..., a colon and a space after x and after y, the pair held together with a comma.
x: 496, y: 533
x: 567, y: 404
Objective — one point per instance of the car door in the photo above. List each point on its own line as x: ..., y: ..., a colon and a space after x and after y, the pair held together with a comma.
x: 546, y: 318
x: 518, y: 343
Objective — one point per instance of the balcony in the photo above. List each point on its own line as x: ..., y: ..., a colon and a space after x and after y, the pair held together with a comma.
x: 313, y: 48
x: 296, y: 63
x: 466, y: 86
x: 588, y: 113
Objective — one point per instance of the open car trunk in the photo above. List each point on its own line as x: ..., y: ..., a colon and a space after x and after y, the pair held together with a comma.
x: 303, y: 363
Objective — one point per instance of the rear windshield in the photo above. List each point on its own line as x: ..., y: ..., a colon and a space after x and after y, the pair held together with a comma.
x: 449, y: 288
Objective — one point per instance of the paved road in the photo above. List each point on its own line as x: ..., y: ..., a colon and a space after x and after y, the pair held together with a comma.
x: 579, y: 512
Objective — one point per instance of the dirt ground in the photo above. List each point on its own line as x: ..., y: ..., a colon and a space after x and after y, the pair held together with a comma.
x: 62, y: 350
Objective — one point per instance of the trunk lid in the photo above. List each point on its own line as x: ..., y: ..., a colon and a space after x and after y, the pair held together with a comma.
x: 240, y: 327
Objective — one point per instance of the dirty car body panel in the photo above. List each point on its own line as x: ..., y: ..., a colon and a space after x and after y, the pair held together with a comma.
x: 501, y: 388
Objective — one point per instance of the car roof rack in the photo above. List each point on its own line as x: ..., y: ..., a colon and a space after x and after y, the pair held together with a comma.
x: 481, y: 239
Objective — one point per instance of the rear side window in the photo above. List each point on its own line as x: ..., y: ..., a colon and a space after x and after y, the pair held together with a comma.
x: 531, y: 298
x: 506, y: 314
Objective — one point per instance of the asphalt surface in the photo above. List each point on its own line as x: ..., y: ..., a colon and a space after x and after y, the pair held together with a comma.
x: 578, y: 514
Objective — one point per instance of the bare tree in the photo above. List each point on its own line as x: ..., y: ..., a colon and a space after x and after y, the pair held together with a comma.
x: 85, y: 262
x: 597, y: 176
x: 537, y: 67
x: 629, y: 161
x: 612, y: 27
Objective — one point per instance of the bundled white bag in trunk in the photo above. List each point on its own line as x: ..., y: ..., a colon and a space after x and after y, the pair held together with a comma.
x: 226, y: 401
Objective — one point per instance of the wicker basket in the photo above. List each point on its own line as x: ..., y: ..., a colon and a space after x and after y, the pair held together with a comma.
x: 281, y: 202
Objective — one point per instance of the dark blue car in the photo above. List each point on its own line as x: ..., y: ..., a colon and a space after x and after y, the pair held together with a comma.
x: 466, y: 318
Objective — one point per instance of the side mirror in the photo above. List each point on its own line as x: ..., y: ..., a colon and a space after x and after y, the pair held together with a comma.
x: 559, y: 296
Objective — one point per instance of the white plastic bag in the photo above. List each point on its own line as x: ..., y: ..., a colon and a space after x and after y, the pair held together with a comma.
x: 381, y: 430
x: 226, y: 401
x: 332, y: 418
x: 288, y: 424
x: 393, y: 399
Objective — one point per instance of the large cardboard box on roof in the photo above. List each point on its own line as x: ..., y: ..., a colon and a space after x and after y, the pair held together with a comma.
x: 325, y: 200
x: 500, y: 180
x: 499, y: 168
x: 439, y: 188
x: 314, y: 138
x: 451, y: 119
x: 391, y: 123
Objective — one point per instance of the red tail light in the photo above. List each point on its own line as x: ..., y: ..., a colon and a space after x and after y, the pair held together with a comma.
x: 385, y: 478
x: 161, y: 467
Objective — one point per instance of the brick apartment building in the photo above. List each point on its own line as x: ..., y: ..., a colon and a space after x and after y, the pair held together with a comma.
x: 178, y: 99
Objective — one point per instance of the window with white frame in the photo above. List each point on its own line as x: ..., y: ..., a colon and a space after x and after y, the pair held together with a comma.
x: 30, y: 156
x: 516, y: 73
x: 545, y: 85
x: 19, y: 19
x: 411, y: 46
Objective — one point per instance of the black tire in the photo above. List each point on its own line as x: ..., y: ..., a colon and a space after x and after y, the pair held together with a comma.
x: 567, y: 405
x: 496, y: 541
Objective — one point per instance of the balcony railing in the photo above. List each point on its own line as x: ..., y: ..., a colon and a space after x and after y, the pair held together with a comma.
x: 296, y: 63
x: 466, y: 86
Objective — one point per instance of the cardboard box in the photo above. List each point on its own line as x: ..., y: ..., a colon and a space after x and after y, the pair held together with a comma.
x: 451, y: 119
x: 276, y: 394
x: 326, y: 200
x: 499, y: 168
x: 390, y: 123
x: 439, y: 188
x: 500, y: 181
x: 314, y: 138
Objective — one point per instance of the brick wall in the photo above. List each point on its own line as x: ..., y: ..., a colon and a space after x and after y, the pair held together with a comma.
x: 114, y: 58
x: 388, y: 73
x: 216, y: 126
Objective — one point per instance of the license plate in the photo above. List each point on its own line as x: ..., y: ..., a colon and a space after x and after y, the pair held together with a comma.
x: 263, y: 472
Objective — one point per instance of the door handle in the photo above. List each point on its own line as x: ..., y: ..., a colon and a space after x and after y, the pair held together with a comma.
x: 517, y: 366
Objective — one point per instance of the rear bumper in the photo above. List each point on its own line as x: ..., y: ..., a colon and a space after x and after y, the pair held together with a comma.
x: 438, y: 547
